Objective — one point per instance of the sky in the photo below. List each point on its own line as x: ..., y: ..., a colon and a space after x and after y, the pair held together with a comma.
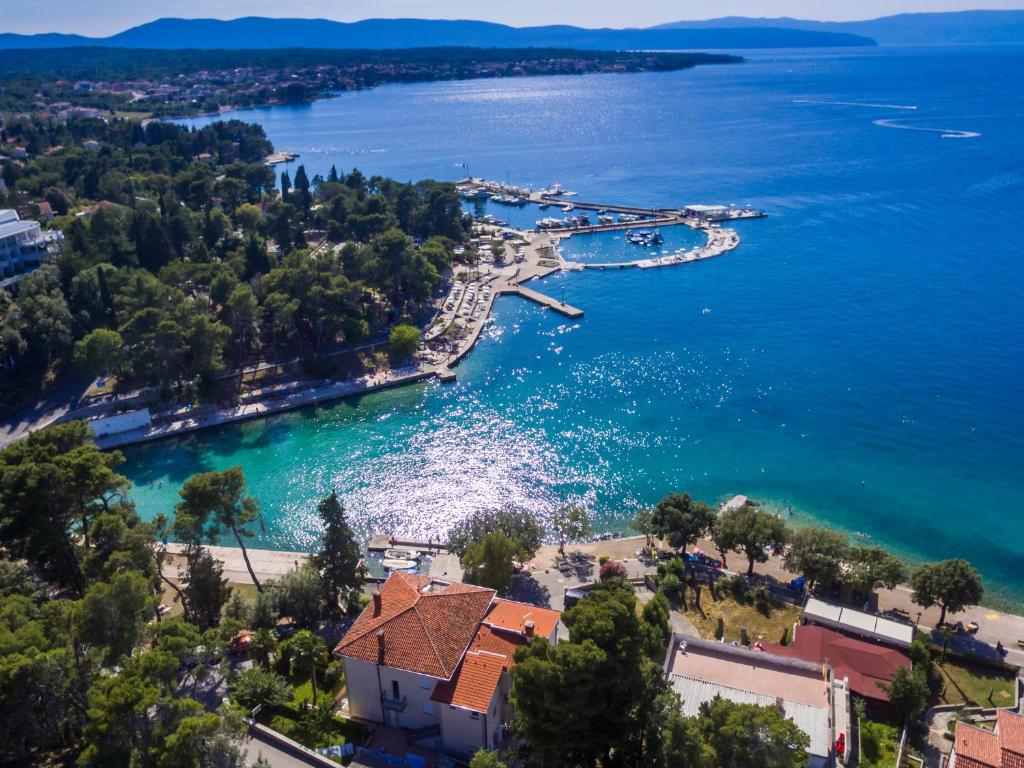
x: 104, y: 17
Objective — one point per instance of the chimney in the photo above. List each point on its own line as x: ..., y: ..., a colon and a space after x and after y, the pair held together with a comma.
x: 528, y: 629
x: 376, y: 603
x: 380, y: 641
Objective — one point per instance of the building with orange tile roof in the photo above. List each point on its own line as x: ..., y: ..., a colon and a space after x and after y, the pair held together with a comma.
x: 433, y: 658
x: 1002, y: 747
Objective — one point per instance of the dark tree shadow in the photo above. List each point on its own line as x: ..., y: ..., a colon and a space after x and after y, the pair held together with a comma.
x: 527, y: 589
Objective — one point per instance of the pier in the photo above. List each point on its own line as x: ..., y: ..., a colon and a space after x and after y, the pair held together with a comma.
x: 544, y: 300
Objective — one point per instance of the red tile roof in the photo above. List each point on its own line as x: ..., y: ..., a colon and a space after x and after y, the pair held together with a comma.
x: 865, y: 664
x: 493, y: 649
x: 426, y: 626
x: 473, y: 686
x: 512, y: 616
x: 1010, y: 726
x: 975, y: 747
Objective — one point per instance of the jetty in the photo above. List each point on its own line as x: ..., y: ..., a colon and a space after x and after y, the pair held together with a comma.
x: 544, y: 300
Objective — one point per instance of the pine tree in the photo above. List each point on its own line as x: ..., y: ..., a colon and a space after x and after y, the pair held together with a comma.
x: 340, y: 557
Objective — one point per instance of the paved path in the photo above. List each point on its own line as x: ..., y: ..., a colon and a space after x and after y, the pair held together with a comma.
x: 268, y: 564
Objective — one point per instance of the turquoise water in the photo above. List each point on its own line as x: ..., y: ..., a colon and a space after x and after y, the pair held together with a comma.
x: 858, y: 357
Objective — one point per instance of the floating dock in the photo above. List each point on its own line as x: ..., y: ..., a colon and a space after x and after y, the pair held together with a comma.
x: 544, y: 300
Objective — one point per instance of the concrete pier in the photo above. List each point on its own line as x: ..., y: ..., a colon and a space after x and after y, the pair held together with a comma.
x: 544, y: 300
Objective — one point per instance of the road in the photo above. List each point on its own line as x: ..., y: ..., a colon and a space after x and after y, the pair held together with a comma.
x: 42, y: 413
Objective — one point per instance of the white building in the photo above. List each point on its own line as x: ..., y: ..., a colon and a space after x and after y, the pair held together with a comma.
x: 22, y: 245
x: 432, y: 658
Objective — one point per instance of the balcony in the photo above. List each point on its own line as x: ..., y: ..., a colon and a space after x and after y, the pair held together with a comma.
x: 394, y: 705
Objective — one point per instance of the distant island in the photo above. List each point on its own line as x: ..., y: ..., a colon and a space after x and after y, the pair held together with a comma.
x: 736, y: 32
x: 162, y: 83
x: 258, y: 32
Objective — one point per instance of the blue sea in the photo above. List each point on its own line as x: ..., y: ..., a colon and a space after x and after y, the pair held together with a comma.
x: 858, y: 360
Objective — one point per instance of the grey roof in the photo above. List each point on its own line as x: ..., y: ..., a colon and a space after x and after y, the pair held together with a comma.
x: 859, y: 622
x: 814, y: 721
x: 10, y: 228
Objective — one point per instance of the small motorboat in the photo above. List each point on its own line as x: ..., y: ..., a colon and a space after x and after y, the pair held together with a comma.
x: 396, y: 564
x: 401, y: 554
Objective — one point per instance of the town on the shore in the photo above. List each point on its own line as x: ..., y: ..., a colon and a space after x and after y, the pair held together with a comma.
x: 157, y: 279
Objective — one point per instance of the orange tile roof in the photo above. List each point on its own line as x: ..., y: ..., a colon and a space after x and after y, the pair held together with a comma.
x: 427, y: 626
x: 1011, y: 737
x: 512, y: 616
x: 496, y: 641
x: 976, y: 747
x: 473, y: 685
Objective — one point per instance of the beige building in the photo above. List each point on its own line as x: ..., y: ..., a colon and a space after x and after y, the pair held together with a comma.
x: 432, y: 658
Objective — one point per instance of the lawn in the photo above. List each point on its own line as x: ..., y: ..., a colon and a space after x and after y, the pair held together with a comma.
x: 289, y: 719
x: 736, y: 616
x: 878, y: 744
x: 975, y: 684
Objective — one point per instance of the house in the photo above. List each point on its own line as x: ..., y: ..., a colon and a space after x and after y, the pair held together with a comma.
x: 22, y: 244
x: 865, y: 665
x: 45, y: 211
x: 91, y: 144
x: 19, y: 153
x: 1002, y: 747
x: 700, y: 670
x: 433, y: 657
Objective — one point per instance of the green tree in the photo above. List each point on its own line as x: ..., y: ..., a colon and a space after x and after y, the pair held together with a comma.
x: 643, y: 522
x: 751, y: 531
x: 908, y: 693
x: 211, y: 500
x: 681, y: 520
x: 519, y: 526
x: 570, y: 522
x: 301, y: 594
x: 817, y: 553
x: 112, y: 614
x: 404, y: 340
x: 489, y: 562
x: 259, y: 687
x: 744, y: 735
x: 309, y: 651
x: 100, y: 351
x: 951, y: 584
x: 263, y: 647
x: 484, y: 758
x: 874, y: 567
x: 339, y: 558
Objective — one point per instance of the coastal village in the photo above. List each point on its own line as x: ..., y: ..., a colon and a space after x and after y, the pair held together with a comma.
x: 158, y: 281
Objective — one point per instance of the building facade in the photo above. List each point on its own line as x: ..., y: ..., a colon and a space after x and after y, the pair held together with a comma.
x: 433, y: 657
x: 23, y: 244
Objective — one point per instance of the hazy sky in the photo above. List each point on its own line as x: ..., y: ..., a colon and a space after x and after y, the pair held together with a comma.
x: 102, y: 17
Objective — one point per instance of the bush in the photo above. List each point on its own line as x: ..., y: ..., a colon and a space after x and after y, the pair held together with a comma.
x: 612, y: 569
x: 737, y: 586
x: 761, y: 598
x: 670, y: 586
x: 603, y: 559
x: 357, y: 602
x: 404, y: 340
x: 258, y: 687
x: 285, y: 726
x: 720, y: 629
x: 334, y: 672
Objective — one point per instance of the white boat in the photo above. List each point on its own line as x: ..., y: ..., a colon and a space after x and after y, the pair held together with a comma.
x: 397, y: 553
x: 398, y: 564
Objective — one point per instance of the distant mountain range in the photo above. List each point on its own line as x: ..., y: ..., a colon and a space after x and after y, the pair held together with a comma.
x: 732, y: 32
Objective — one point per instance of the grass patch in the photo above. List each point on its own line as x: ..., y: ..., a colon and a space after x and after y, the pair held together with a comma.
x: 879, y: 743
x: 736, y: 616
x: 975, y: 684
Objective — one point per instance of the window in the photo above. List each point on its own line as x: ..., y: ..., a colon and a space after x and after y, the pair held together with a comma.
x: 425, y: 682
x: 475, y: 715
x: 428, y: 707
x: 394, y: 690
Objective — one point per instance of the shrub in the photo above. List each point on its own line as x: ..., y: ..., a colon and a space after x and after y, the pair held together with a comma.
x: 720, y: 629
x: 612, y: 569
x: 603, y: 559
x: 738, y: 588
x: 258, y: 687
x: 357, y: 602
x: 669, y: 586
x: 285, y: 726
x: 761, y: 598
x: 334, y: 672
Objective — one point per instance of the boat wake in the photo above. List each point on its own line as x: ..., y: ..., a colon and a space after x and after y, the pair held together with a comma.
x: 946, y: 133
x: 855, y: 104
